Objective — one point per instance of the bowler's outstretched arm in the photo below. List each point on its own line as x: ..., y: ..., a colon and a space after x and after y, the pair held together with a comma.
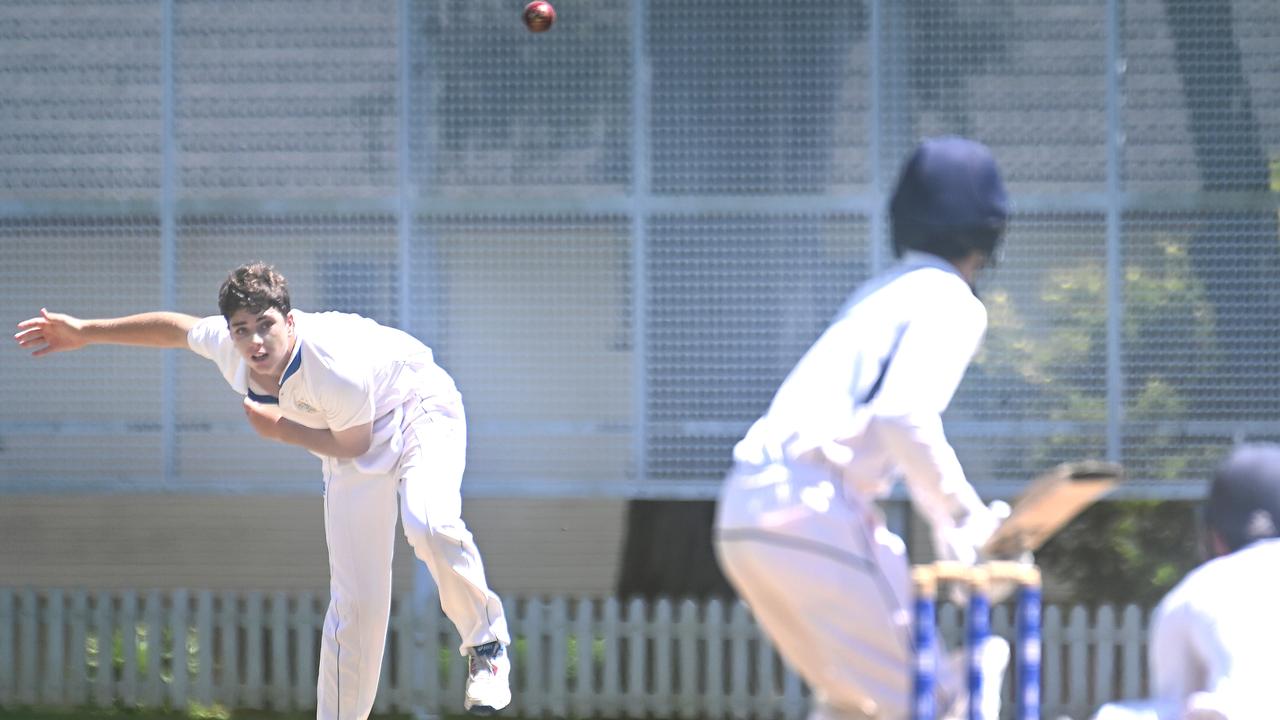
x: 57, y: 332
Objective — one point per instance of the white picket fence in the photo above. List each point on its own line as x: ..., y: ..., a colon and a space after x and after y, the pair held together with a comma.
x: 579, y: 657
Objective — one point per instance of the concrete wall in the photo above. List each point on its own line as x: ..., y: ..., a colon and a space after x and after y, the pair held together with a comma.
x: 277, y: 542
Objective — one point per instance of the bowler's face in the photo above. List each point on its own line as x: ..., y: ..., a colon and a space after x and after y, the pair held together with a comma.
x: 264, y: 340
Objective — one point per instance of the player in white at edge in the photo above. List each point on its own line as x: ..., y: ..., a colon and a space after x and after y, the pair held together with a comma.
x: 1214, y: 636
x: 371, y: 403
x: 797, y: 530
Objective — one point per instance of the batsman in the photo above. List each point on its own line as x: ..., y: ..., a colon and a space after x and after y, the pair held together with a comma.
x: 798, y: 532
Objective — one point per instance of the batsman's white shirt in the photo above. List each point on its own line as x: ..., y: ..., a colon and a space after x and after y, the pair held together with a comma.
x: 346, y: 370
x: 798, y: 533
x: 868, y: 396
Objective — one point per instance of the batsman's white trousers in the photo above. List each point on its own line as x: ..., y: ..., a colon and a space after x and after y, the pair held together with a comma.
x: 829, y: 584
x: 360, y: 522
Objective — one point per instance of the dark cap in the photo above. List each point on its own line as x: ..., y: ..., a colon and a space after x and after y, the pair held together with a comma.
x: 950, y: 183
x: 1244, y: 498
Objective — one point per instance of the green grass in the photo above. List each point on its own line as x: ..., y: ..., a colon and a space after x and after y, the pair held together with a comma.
x: 192, y: 714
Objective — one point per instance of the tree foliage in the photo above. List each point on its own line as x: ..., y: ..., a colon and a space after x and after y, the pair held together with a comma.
x: 1122, y: 552
x: 1118, y: 551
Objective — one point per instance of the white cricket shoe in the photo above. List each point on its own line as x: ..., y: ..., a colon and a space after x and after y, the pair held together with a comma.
x: 488, y: 679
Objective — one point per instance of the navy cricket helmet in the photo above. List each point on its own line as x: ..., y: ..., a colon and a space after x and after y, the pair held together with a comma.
x: 949, y: 200
x: 1244, y: 497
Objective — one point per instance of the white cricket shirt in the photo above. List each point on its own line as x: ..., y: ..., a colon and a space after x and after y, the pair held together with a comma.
x: 1218, y: 632
x: 346, y: 370
x: 867, y: 397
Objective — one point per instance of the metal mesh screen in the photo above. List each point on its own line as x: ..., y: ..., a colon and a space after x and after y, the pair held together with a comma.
x: 498, y: 108
x: 531, y: 315
x: 746, y: 102
x: 1200, y: 370
x: 1036, y: 394
x: 80, y: 113
x: 620, y: 235
x: 1201, y: 90
x: 733, y: 303
x: 90, y: 417
x: 1028, y: 78
x: 285, y: 98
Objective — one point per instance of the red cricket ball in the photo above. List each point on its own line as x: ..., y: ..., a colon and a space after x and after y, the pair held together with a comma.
x: 539, y: 15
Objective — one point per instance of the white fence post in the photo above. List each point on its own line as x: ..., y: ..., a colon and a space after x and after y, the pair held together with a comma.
x: 279, y: 651
x: 228, y: 685
x: 793, y: 699
x: 636, y: 693
x: 1077, y: 634
x: 687, y: 657
x: 1104, y: 637
x: 663, y: 667
x: 179, y: 631
x: 306, y: 656
x: 713, y: 623
x: 611, y: 683
x: 103, y: 691
x: 764, y: 698
x: 152, y: 687
x: 28, y: 642
x: 130, y: 644
x: 584, y: 686
x: 1132, y: 634
x: 558, y: 667
x: 251, y: 693
x: 54, y: 649
x: 1051, y: 662
x: 739, y: 658
x: 77, y: 667
x: 203, y: 692
x: 535, y: 664
x: 8, y: 626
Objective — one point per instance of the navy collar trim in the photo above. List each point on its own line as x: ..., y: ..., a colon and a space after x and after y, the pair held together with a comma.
x: 294, y: 364
x: 264, y: 399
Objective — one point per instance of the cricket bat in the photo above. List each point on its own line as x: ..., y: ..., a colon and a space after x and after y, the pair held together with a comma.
x: 1050, y: 501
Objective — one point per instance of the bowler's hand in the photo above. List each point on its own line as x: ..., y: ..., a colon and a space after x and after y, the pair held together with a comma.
x: 264, y: 418
x: 50, y: 333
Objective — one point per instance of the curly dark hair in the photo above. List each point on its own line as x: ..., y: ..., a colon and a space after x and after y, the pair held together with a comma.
x: 255, y: 287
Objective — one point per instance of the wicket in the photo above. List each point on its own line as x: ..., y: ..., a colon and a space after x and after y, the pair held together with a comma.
x: 977, y: 578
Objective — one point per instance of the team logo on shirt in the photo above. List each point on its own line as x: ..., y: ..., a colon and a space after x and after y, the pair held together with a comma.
x: 304, y: 406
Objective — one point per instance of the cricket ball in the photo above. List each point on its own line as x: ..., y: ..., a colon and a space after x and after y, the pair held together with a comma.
x: 539, y: 15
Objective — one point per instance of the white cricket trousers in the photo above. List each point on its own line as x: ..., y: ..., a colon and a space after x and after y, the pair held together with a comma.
x: 360, y: 522
x: 828, y: 583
